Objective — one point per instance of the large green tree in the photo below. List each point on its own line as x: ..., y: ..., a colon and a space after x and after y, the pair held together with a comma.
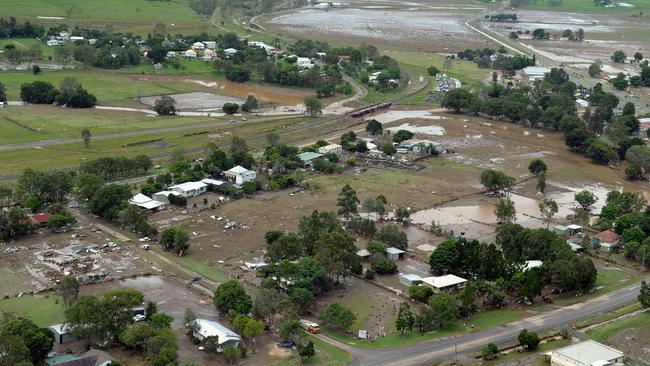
x: 347, y: 202
x: 231, y: 295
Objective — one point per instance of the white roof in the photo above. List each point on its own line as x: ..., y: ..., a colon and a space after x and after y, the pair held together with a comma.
x: 213, y: 182
x: 532, y: 264
x: 150, y: 205
x: 212, y: 328
x: 363, y: 253
x: 411, y: 277
x: 393, y: 250
x: 574, y: 227
x: 230, y: 50
x: 139, y: 198
x: 189, y: 186
x: 59, y: 328
x: 444, y: 281
x: 588, y: 353
x: 167, y: 193
x: 237, y: 170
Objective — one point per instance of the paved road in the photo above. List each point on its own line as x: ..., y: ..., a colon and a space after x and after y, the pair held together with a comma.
x: 428, y: 352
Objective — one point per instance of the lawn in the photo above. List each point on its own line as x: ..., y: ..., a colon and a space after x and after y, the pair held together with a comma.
x: 481, y: 321
x: 109, y: 86
x: 43, y: 310
x: 24, y: 44
x: 187, y: 67
x: 587, y: 6
x: 531, y: 358
x: 601, y: 334
x: 601, y: 318
x: 326, y: 354
x: 193, y: 264
x: 608, y: 280
x: 139, y: 16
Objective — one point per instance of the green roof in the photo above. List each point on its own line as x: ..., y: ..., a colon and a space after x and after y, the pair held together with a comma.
x: 307, y: 156
x: 60, y: 359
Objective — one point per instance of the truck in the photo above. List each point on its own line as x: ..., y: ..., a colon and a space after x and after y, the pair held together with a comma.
x: 311, y: 327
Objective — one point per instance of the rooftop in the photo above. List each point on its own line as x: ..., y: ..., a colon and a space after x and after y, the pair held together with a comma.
x: 393, y: 250
x: 607, y: 235
x: 444, y: 281
x: 307, y: 156
x: 363, y: 253
x: 40, y: 217
x: 213, y: 182
x: 213, y: 328
x: 411, y: 277
x: 237, y: 170
x: 588, y: 352
x: 139, y: 198
x: 189, y: 186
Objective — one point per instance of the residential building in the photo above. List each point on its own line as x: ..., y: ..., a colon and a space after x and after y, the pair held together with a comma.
x: 308, y: 158
x: 446, y: 283
x: 304, y: 63
x: 209, y: 53
x: 364, y: 254
x: 94, y: 357
x: 55, y: 42
x: 39, y: 218
x: 171, y: 54
x: 240, y: 175
x: 569, y: 230
x: 198, y: 46
x: 587, y: 353
x: 605, y: 241
x: 190, y: 54
x: 531, y: 264
x: 394, y: 254
x: 145, y: 202
x: 533, y: 72
x: 229, y: 51
x: 163, y: 196
x: 190, y: 189
x: 331, y: 148
x: 225, y: 336
x: 210, y: 44
x: 212, y: 183
x: 409, y: 279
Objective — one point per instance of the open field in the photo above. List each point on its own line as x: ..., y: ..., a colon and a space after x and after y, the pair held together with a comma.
x: 587, y: 6
x: 138, y: 16
x: 326, y: 355
x: 24, y: 44
x: 630, y: 335
x: 44, y: 309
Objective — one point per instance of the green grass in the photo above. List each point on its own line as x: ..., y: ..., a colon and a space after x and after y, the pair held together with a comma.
x: 109, y: 86
x: 188, y: 67
x: 587, y: 6
x: 607, y: 280
x: 12, y: 282
x: 601, y: 334
x: 515, y: 357
x: 193, y: 264
x: 481, y: 321
x: 41, y: 309
x: 464, y: 71
x: 326, y: 354
x: 24, y: 44
x: 138, y: 16
x: 601, y: 318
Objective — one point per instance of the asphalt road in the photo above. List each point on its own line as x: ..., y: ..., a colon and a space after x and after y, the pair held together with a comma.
x: 428, y: 352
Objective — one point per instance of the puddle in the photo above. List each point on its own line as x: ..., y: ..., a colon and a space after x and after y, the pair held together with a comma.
x: 434, y: 130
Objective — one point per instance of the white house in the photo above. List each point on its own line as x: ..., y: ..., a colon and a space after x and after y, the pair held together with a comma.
x: 210, y: 328
x: 587, y: 353
x: 55, y: 42
x: 240, y: 175
x: 446, y: 283
x: 533, y: 72
x: 229, y: 51
x: 190, y: 54
x: 210, y: 44
x: 171, y: 54
x: 331, y: 148
x: 163, y: 196
x: 209, y: 53
x: 145, y: 202
x: 198, y: 46
x: 304, y: 63
x: 190, y: 189
x: 531, y: 264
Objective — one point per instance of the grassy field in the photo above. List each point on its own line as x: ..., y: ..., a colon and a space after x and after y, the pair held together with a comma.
x: 481, y: 321
x: 43, y: 310
x: 608, y: 280
x: 326, y: 354
x: 139, y: 16
x: 109, y: 86
x: 24, y: 44
x: 601, y: 318
x: 601, y: 334
x: 193, y: 264
x: 587, y: 6
x: 530, y: 358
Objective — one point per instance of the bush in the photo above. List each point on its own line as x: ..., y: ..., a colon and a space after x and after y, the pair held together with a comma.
x: 420, y: 293
x: 177, y: 200
x: 529, y: 340
x: 382, y: 265
x: 249, y: 188
x: 230, y: 108
x: 490, y: 352
x: 38, y: 92
x: 165, y: 106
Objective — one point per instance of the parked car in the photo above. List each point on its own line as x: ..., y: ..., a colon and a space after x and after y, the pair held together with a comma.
x: 138, y: 318
x: 287, y: 343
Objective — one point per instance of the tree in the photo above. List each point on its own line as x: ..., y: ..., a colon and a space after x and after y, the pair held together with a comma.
x: 405, y: 319
x: 306, y: 350
x: 13, y: 351
x: 165, y: 106
x: 250, y: 104
x: 160, y: 320
x: 537, y: 167
x: 496, y: 181
x: 189, y: 321
x: 69, y: 289
x: 231, y: 354
x: 374, y: 127
x: 36, y: 70
x: 337, y: 315
x: 594, y: 69
x: 347, y: 202
x: 392, y: 235
x: 458, y: 100
x: 3, y: 93
x: 618, y: 56
x: 601, y: 153
x: 548, y: 209
x: 302, y: 298
x: 505, y: 210
x: 445, y: 310
x: 531, y: 286
x: 38, y: 92
x: 585, y: 199
x: 529, y: 340
x: 313, y: 106
x: 39, y: 341
x: 541, y: 183
x: 644, y: 294
x: 490, y: 352
x: 230, y: 108
x: 380, y: 264
x: 433, y: 71
x: 232, y: 295
x: 85, y: 135
x: 639, y: 158
x: 629, y: 109
x: 87, y: 320
x: 175, y: 239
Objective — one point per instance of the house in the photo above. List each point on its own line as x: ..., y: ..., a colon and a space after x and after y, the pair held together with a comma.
x: 209, y: 53
x: 210, y: 44
x: 210, y: 328
x: 304, y: 63
x: 93, y: 357
x: 163, y: 196
x: 308, y: 158
x: 61, y: 333
x: 171, y: 54
x: 190, y: 189
x: 532, y: 72
x: 331, y: 148
x: 525, y: 36
x: 587, y: 353
x: 644, y: 123
x: 531, y: 264
x: 605, y: 241
x: 422, y: 146
x: 39, y: 219
x: 581, y: 103
x: 212, y: 183
x: 409, y: 279
x: 577, y: 248
x: 240, y: 175
x: 446, y: 283
x: 569, y: 230
x: 145, y: 202
x: 229, y: 52
x: 198, y: 46
x: 55, y: 42
x: 394, y: 254
x: 190, y: 54
x: 364, y: 254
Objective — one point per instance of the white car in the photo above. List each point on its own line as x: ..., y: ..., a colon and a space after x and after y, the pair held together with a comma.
x: 138, y: 318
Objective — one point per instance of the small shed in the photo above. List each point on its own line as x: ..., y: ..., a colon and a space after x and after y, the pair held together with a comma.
x: 212, y: 183
x: 409, y: 279
x: 576, y: 247
x: 394, y: 254
x: 364, y: 254
x: 61, y: 333
x: 574, y: 229
x: 561, y: 230
x: 40, y: 218
x: 308, y: 158
x: 331, y: 148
